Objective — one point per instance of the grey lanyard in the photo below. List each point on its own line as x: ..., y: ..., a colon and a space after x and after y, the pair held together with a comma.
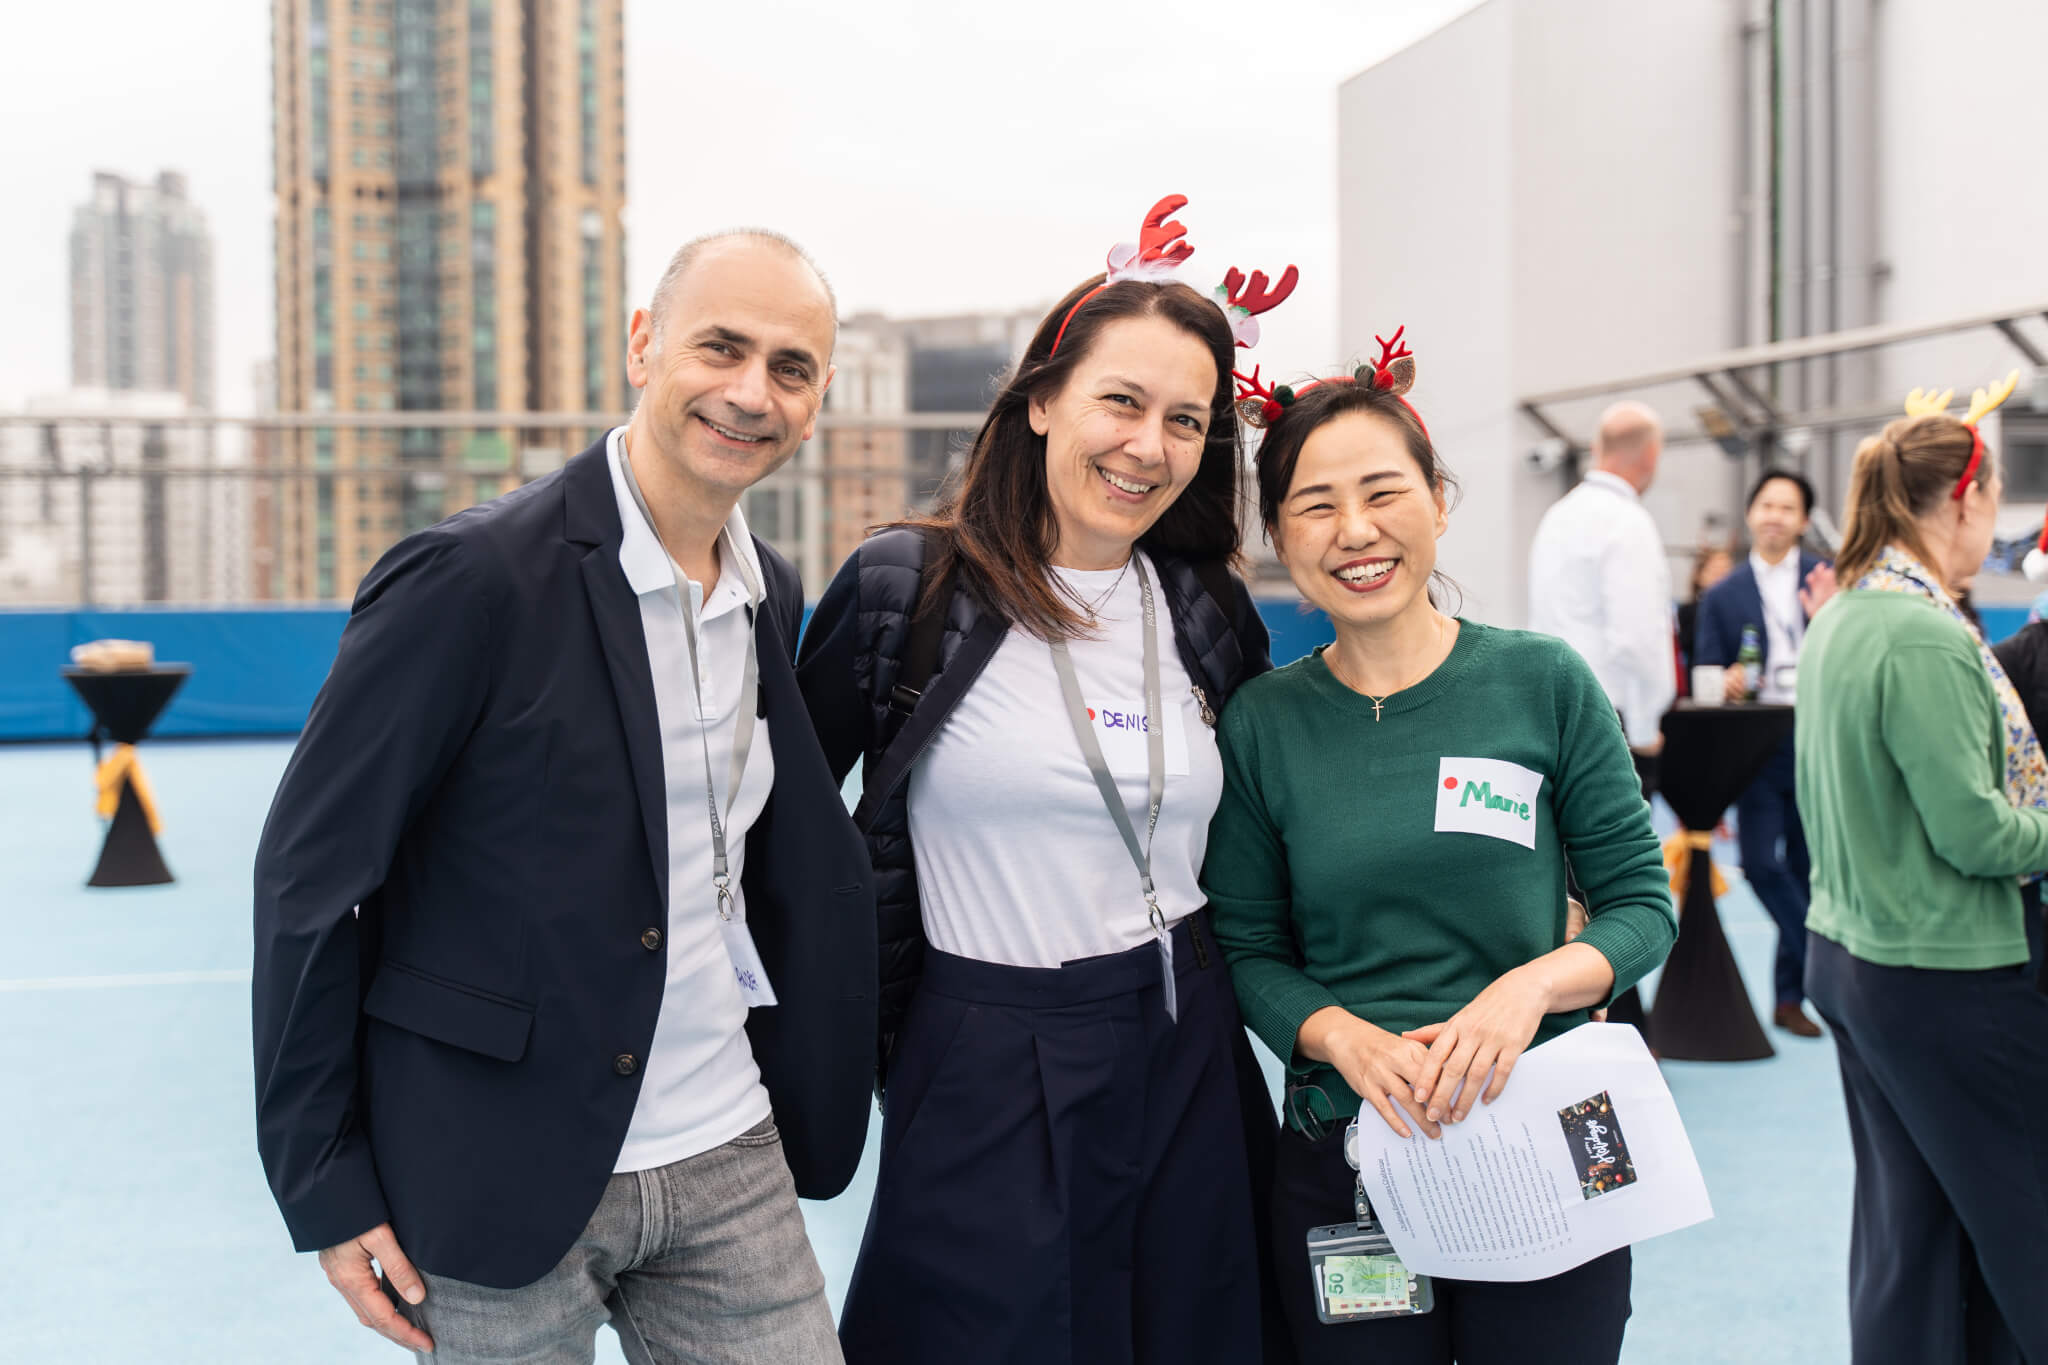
x: 743, y: 722
x: 1155, y: 771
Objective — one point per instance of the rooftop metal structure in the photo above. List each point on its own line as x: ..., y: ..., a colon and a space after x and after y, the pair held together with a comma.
x: 1740, y: 383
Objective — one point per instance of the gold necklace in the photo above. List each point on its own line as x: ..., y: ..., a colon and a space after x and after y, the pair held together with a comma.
x: 1381, y: 700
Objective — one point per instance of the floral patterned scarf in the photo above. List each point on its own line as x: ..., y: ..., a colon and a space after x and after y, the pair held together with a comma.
x: 2026, y: 771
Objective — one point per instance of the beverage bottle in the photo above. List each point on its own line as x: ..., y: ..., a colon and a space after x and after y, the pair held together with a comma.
x: 1750, y: 659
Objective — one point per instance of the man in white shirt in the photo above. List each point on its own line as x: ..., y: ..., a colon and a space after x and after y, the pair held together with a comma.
x: 1600, y: 581
x: 1773, y: 594
x: 558, y: 897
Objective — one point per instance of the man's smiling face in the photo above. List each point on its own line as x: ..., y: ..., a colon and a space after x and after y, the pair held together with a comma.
x: 736, y: 370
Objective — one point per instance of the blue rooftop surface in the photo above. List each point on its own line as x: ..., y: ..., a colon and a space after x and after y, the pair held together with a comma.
x: 135, y: 1225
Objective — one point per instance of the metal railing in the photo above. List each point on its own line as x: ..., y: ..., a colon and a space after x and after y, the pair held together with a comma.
x: 204, y: 509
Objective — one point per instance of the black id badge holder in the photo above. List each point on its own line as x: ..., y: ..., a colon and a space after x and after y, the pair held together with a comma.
x: 1357, y: 1275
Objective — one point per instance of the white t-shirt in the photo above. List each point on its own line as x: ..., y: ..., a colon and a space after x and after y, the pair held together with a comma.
x: 699, y: 1086
x: 1018, y: 860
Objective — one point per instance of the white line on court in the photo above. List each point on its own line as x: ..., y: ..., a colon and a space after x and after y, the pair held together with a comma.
x: 228, y: 977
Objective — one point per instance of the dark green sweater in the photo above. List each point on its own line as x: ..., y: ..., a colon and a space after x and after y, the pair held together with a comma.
x: 1332, y: 883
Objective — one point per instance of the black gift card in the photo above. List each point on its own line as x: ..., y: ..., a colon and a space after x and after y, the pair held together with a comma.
x: 1593, y: 1132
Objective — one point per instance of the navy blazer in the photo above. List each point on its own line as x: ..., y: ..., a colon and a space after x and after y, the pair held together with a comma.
x: 1730, y: 605
x: 482, y: 775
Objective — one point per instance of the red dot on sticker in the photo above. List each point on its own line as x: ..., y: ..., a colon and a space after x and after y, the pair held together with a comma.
x: 1450, y: 784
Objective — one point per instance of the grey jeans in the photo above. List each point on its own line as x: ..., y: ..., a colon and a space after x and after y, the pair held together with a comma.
x: 702, y: 1262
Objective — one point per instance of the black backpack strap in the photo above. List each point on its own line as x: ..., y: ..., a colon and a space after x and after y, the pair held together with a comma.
x: 921, y: 651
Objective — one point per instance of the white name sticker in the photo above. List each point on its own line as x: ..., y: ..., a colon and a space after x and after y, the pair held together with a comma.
x: 746, y: 963
x: 1487, y: 796
x: 1120, y: 730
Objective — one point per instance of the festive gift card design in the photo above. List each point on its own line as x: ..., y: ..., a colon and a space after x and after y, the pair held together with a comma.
x: 1487, y: 796
x: 1593, y: 1132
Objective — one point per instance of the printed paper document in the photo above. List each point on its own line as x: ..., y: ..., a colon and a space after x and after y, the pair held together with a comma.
x: 1582, y: 1153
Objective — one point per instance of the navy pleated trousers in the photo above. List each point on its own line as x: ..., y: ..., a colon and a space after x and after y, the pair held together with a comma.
x: 1063, y: 1172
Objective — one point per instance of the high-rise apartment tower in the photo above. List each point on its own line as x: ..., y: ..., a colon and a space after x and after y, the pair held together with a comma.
x: 450, y: 176
x: 142, y: 290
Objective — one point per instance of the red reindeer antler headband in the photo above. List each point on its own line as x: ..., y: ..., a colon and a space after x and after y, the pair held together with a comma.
x: 1260, y: 406
x: 1156, y: 257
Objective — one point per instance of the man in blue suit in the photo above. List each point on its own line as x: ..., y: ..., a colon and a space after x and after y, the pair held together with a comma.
x: 559, y: 913
x: 1772, y: 592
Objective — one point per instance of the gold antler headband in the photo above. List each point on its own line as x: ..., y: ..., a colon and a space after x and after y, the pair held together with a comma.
x: 1927, y: 403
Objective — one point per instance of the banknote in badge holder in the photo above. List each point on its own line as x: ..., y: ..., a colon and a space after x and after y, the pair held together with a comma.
x: 1358, y: 1277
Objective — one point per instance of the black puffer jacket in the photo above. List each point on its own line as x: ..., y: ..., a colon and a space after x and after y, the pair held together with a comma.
x: 852, y: 653
x: 2024, y: 657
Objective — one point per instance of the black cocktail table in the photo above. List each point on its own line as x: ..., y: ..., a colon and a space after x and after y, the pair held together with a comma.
x: 124, y: 706
x: 1711, y: 753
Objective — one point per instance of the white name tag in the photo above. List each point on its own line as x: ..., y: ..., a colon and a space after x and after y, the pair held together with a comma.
x: 1487, y: 796
x: 746, y: 962
x: 1120, y: 729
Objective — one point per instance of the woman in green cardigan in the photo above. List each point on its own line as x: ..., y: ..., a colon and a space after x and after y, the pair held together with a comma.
x: 1922, y: 786
x: 1386, y: 870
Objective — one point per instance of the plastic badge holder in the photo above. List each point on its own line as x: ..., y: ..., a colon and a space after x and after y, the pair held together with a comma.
x: 1357, y: 1275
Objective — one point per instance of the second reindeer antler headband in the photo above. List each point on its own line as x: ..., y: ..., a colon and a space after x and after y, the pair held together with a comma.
x: 1260, y: 406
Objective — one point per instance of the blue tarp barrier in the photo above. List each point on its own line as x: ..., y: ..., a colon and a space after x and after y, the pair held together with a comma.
x: 255, y: 671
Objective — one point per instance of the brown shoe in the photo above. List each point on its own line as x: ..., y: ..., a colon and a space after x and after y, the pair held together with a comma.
x: 1793, y: 1020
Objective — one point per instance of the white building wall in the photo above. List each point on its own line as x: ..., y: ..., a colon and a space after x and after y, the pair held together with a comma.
x: 1548, y: 193
x: 1961, y: 205
x: 1516, y: 189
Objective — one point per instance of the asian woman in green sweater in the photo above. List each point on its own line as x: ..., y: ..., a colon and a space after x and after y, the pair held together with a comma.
x: 1926, y: 800
x: 1386, y: 870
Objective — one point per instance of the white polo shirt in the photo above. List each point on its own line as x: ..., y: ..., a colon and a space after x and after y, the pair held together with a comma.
x: 699, y: 1087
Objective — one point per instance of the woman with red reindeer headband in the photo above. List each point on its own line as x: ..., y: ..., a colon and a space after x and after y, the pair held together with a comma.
x: 1387, y: 865
x: 1030, y: 677
x: 1926, y: 799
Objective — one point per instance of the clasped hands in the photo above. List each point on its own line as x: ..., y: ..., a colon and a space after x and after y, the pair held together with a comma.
x: 1433, y: 1075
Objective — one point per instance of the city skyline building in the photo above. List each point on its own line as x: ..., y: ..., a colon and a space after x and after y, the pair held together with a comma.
x: 142, y: 299
x: 114, y: 497
x: 450, y: 180
x: 867, y: 471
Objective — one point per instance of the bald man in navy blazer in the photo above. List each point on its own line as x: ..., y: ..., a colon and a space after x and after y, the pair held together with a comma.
x: 523, y: 1040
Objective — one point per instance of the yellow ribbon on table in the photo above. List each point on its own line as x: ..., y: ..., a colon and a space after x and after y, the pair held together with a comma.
x: 1678, y: 853
x: 125, y: 766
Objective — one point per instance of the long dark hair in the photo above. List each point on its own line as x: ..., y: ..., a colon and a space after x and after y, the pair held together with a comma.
x: 1900, y: 474
x: 994, y: 524
x: 1323, y: 403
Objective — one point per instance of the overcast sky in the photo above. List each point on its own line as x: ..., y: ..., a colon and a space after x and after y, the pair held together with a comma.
x: 935, y: 157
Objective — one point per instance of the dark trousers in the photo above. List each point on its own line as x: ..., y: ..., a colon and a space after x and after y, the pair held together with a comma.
x: 1775, y: 862
x: 1063, y: 1177
x: 1576, y: 1318
x: 1946, y: 1077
